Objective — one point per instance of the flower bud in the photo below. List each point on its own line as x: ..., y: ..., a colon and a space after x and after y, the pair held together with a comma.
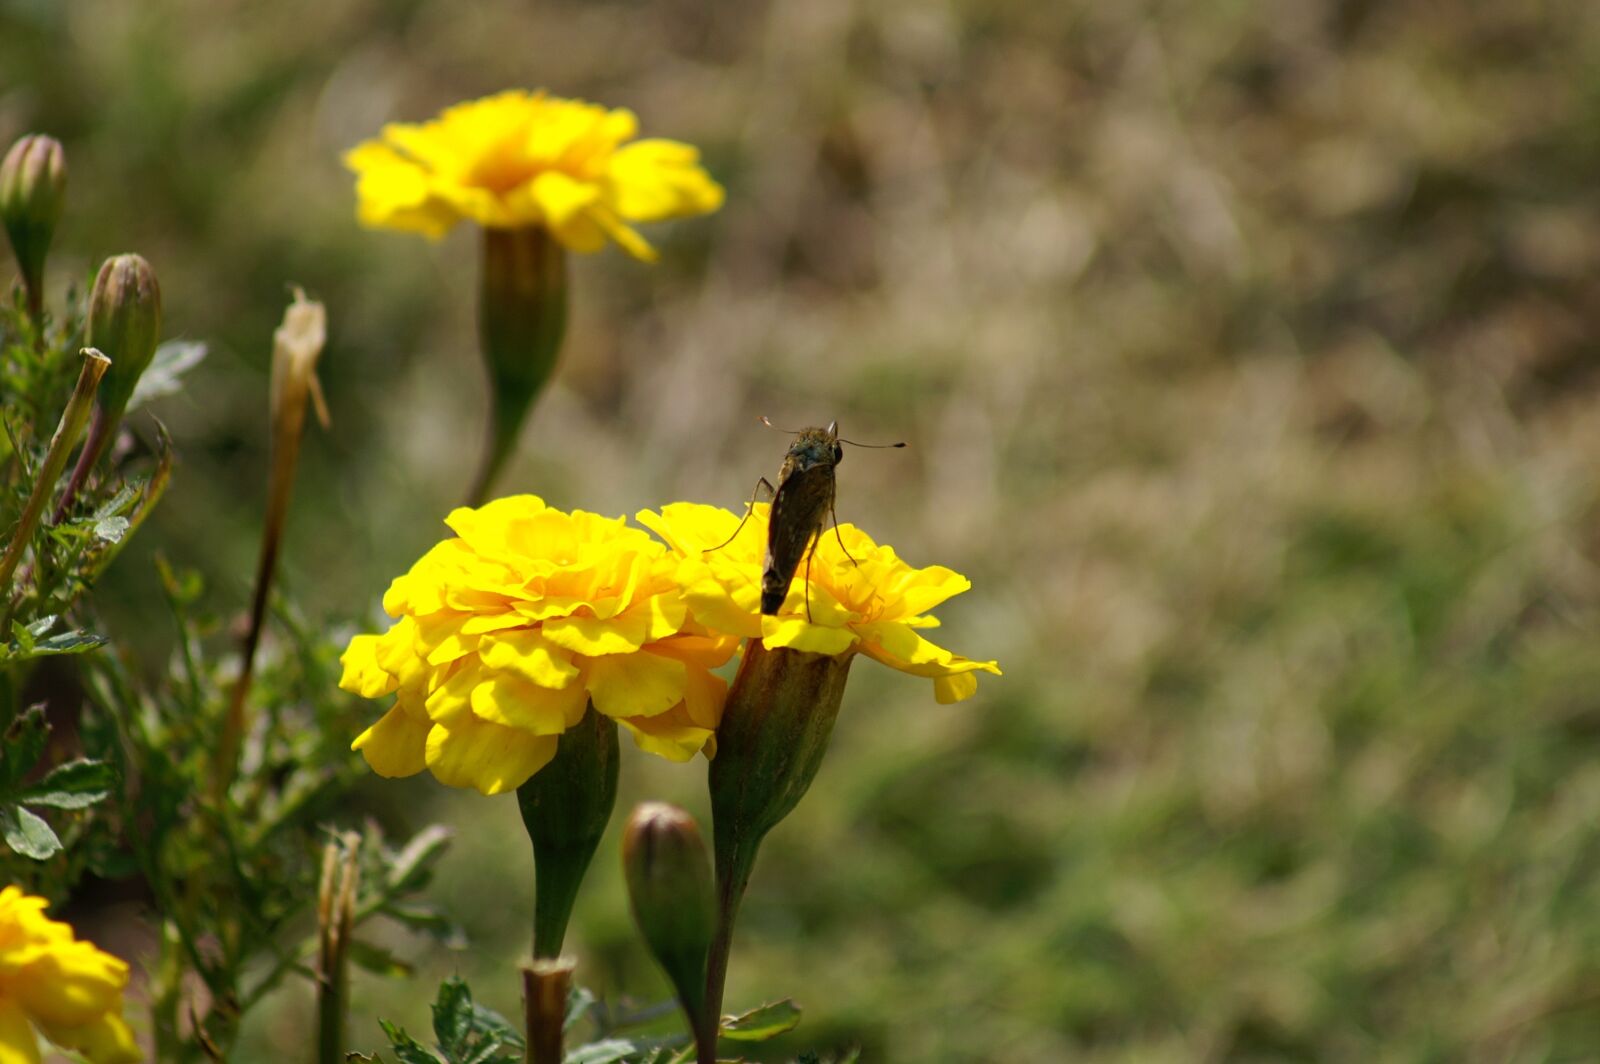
x: 565, y: 807
x: 774, y: 732
x: 669, y: 886
x: 125, y: 323
x: 522, y: 318
x: 33, y: 185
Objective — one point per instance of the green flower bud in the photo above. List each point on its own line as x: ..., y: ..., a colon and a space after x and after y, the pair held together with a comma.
x: 522, y: 318
x: 125, y: 323
x: 669, y: 886
x: 565, y: 807
x: 774, y: 732
x: 33, y: 186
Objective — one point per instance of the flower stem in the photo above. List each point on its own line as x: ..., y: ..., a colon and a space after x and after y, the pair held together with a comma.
x: 61, y: 444
x: 735, y: 859
x: 545, y: 985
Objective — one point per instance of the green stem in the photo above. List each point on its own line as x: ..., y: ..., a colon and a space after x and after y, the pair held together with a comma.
x: 66, y: 437
x: 735, y: 859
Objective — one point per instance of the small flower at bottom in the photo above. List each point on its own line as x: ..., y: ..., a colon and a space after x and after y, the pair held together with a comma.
x: 507, y: 632
x: 867, y: 600
x: 66, y: 988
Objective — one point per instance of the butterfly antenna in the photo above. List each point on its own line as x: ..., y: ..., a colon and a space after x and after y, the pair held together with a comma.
x: 770, y: 425
x: 876, y: 446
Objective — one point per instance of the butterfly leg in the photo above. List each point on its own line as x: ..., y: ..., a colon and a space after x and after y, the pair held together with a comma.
x: 840, y: 538
x: 809, y: 552
x: 748, y: 510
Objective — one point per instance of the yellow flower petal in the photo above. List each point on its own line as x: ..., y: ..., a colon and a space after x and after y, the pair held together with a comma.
x: 657, y: 179
x: 670, y: 735
x: 520, y: 159
x: 530, y: 655
x: 635, y: 685
x: 797, y: 634
x: 71, y: 984
x: 394, y: 746
x: 18, y: 1043
x: 506, y: 698
x: 362, y: 673
x: 104, y: 1040
x: 490, y: 758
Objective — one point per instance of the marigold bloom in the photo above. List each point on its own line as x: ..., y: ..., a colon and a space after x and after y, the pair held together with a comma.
x: 529, y: 159
x: 874, y: 607
x: 68, y: 989
x: 506, y: 632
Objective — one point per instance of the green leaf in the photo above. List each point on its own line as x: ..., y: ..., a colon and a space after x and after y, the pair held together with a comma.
x: 602, y: 1052
x: 760, y: 1024
x: 579, y: 1002
x: 408, y: 1050
x: 413, y: 865
x: 24, y: 742
x: 420, y: 916
x: 164, y: 375
x: 378, y: 960
x: 110, y: 529
x: 27, y: 834
x: 73, y: 785
x: 68, y: 643
x: 467, y: 1032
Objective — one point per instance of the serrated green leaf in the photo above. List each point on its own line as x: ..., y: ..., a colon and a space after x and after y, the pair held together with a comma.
x: 68, y: 643
x: 72, y: 785
x: 452, y: 1013
x: 24, y: 742
x: 116, y: 504
x: 408, y: 1050
x: 761, y: 1023
x: 420, y: 916
x: 413, y: 865
x: 579, y: 1001
x: 602, y: 1052
x: 377, y: 960
x: 110, y: 529
x: 164, y: 375
x: 27, y: 834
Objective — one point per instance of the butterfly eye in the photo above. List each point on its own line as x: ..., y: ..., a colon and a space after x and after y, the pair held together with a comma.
x: 838, y: 453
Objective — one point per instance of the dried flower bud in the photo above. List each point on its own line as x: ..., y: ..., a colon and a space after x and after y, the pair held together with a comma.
x: 33, y: 185
x: 125, y: 323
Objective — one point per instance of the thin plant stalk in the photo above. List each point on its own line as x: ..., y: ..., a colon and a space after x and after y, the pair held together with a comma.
x: 336, y: 903
x: 297, y: 344
x: 545, y: 986
x: 68, y: 431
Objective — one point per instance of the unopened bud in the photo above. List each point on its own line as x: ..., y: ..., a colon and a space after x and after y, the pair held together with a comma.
x: 125, y: 323
x: 669, y: 886
x: 33, y: 186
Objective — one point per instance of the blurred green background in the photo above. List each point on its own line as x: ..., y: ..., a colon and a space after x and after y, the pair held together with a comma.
x: 1247, y: 353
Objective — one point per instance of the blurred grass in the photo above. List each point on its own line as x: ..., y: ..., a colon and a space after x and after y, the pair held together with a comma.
x: 1247, y: 353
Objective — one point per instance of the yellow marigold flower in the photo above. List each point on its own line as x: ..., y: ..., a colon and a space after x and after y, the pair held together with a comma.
x: 874, y: 607
x: 508, y: 631
x: 528, y: 159
x: 67, y: 989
